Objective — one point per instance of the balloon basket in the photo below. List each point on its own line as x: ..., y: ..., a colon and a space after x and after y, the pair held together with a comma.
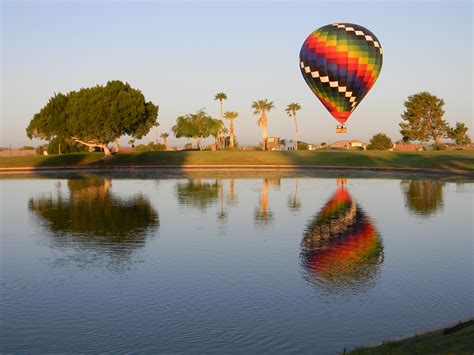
x: 341, y: 129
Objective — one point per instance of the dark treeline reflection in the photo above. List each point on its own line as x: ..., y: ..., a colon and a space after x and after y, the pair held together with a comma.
x: 90, y: 216
x: 341, y: 248
x: 423, y: 197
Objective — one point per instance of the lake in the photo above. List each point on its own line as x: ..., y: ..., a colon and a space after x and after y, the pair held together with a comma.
x: 147, y: 261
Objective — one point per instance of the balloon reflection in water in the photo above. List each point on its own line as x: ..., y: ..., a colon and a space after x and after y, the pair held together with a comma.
x: 341, y: 249
x: 91, y: 219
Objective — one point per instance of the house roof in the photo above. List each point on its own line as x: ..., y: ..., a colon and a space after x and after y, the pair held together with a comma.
x: 344, y: 143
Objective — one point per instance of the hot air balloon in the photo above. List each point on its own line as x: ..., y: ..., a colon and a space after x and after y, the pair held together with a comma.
x: 340, y: 63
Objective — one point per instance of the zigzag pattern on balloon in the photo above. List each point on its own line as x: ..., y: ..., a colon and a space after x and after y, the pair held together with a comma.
x: 340, y: 63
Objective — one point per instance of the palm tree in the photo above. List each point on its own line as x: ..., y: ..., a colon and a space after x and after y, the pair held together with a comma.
x: 165, y: 136
x: 261, y: 108
x: 156, y: 124
x: 221, y: 97
x: 291, y: 111
x: 231, y: 116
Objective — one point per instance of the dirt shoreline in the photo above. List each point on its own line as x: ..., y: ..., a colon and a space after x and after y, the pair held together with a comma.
x: 269, y: 167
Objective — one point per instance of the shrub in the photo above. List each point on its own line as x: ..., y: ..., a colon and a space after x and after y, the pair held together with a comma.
x: 302, y: 146
x: 380, y: 141
x: 150, y: 147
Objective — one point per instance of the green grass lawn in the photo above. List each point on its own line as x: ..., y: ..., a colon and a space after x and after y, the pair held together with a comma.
x: 447, y: 160
x: 460, y: 340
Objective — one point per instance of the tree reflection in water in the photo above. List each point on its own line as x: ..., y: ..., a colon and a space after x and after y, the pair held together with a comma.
x: 423, y: 197
x: 197, y: 193
x: 294, y: 203
x: 341, y: 249
x: 91, y: 219
x: 263, y: 215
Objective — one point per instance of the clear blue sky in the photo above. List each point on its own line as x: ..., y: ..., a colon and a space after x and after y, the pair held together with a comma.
x: 180, y: 53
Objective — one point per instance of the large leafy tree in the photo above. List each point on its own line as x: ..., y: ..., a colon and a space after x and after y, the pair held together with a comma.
x: 291, y: 111
x: 459, y: 134
x: 423, y: 118
x: 95, y: 116
x: 261, y: 107
x: 197, y: 125
x: 231, y: 116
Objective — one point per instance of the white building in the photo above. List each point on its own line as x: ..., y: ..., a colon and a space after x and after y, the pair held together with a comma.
x: 353, y: 144
x: 287, y: 144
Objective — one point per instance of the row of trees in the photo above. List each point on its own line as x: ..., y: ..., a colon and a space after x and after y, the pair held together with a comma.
x: 422, y: 121
x: 94, y: 117
x: 200, y: 125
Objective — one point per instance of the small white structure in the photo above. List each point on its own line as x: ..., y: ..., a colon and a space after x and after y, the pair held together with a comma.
x: 287, y: 144
x: 353, y: 144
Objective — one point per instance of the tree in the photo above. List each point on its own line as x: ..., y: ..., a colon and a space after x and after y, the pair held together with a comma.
x: 231, y: 116
x: 459, y: 134
x: 380, y: 141
x: 221, y: 97
x: 423, y: 118
x: 218, y: 131
x: 157, y: 124
x: 165, y: 136
x: 95, y: 116
x: 291, y: 111
x: 197, y: 125
x: 261, y: 108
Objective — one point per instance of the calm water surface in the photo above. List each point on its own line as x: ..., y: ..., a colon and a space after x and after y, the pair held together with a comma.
x: 210, y: 262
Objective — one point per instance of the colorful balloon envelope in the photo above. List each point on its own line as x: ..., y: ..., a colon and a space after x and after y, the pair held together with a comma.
x: 340, y: 63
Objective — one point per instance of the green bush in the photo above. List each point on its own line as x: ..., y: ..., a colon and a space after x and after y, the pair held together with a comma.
x: 380, y: 141
x: 150, y: 147
x: 302, y: 146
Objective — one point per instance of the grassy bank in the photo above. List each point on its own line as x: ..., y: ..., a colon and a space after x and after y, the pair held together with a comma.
x: 455, y: 340
x: 445, y: 160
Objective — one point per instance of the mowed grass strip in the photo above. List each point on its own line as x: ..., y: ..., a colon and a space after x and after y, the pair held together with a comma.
x: 75, y: 159
x: 445, y: 160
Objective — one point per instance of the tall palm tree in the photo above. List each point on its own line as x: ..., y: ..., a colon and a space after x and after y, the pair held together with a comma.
x: 231, y: 116
x: 291, y: 111
x: 261, y: 108
x: 221, y: 97
x: 165, y: 136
